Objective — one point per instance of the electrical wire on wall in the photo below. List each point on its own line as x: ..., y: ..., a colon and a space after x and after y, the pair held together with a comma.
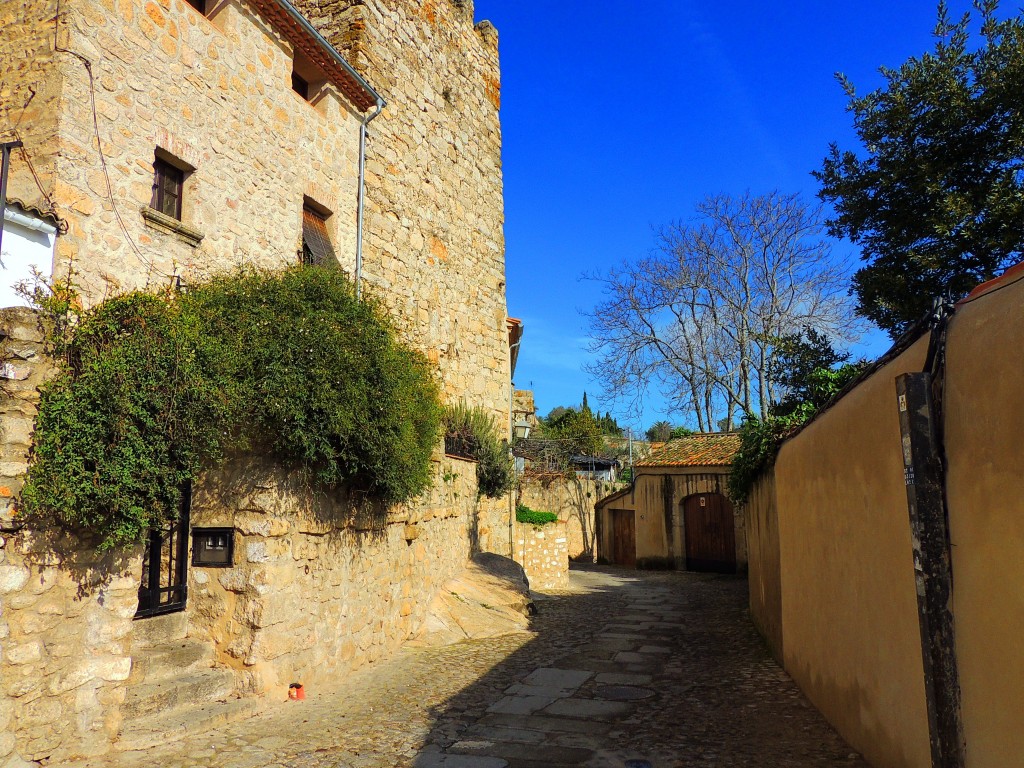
x: 99, y: 147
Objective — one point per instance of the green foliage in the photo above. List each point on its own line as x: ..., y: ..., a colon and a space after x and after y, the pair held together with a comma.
x: 526, y: 515
x: 680, y: 432
x: 759, y: 442
x: 474, y: 433
x: 936, y: 196
x: 578, y: 433
x: 760, y: 438
x: 659, y: 432
x: 133, y: 415
x: 156, y: 388
x: 810, y: 369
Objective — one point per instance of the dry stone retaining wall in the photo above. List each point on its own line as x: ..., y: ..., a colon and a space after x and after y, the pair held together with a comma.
x: 322, y: 583
x: 543, y: 552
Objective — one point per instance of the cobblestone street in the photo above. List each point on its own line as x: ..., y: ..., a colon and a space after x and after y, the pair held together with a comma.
x: 625, y: 666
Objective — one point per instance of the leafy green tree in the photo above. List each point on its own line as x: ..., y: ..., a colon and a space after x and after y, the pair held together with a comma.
x: 659, y: 432
x: 935, y: 197
x: 811, y: 370
x: 609, y: 425
x: 680, y: 432
x: 578, y: 433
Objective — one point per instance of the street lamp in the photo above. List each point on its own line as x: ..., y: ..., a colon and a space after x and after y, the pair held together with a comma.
x: 521, y: 429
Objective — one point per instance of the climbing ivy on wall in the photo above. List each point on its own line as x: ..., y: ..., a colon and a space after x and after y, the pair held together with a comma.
x: 151, y: 390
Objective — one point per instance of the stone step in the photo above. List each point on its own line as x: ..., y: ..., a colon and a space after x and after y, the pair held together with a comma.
x: 194, y: 688
x: 155, y: 630
x: 163, y: 727
x: 170, y: 660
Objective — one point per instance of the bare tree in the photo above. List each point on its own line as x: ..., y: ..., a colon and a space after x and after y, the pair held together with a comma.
x: 699, y: 316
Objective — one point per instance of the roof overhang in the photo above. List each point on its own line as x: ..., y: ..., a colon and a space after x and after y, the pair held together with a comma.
x: 515, y: 335
x: 300, y: 33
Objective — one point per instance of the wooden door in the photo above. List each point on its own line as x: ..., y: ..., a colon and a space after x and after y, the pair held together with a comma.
x: 710, y: 534
x: 624, y: 538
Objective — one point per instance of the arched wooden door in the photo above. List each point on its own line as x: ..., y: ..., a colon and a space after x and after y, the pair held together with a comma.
x: 710, y: 533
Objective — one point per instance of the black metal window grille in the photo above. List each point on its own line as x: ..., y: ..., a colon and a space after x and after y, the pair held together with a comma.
x: 164, y: 587
x: 167, y: 184
x: 316, y: 244
x: 460, y: 446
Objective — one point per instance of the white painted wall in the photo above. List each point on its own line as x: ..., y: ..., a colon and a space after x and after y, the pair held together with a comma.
x: 28, y: 243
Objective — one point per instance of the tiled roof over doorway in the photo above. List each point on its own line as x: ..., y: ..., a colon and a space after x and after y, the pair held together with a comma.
x: 704, y: 450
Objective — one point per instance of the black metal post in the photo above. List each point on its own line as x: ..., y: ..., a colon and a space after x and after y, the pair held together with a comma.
x: 5, y: 161
x: 925, y: 479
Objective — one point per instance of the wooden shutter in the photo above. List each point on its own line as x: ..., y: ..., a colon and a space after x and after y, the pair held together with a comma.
x: 316, y: 245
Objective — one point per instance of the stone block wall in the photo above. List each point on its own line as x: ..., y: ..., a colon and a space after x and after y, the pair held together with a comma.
x: 30, y: 89
x: 434, y: 208
x: 322, y: 583
x: 65, y: 611
x: 213, y: 93
x: 572, y: 499
x: 543, y: 552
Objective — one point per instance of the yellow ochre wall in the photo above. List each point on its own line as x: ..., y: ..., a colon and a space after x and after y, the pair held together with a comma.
x: 984, y: 422
x: 839, y: 607
x: 849, y: 611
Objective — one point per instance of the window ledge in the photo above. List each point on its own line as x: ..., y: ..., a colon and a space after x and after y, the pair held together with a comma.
x: 170, y: 225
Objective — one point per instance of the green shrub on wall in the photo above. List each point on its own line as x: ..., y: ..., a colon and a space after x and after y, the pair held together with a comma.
x: 526, y: 515
x: 473, y: 433
x: 154, y: 389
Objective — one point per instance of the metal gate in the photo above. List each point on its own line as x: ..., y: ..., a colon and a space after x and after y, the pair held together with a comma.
x: 710, y: 533
x: 165, y: 565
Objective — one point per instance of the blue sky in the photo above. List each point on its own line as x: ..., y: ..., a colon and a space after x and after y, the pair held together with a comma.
x: 618, y: 117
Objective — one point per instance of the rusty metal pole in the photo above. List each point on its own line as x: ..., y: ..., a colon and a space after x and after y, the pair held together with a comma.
x: 926, y: 500
x: 5, y: 161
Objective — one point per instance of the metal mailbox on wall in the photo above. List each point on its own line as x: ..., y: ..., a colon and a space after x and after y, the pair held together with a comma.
x: 213, y: 547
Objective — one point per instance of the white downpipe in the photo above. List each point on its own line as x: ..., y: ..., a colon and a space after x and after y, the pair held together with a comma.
x: 361, y: 196
x: 29, y: 222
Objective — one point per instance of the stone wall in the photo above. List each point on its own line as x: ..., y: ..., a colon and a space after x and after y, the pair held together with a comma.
x: 66, y: 615
x: 322, y: 583
x: 215, y: 94
x: 542, y: 551
x: 572, y: 499
x: 30, y: 90
x: 434, y: 209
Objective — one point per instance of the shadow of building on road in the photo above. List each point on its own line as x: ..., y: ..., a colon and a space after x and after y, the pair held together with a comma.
x: 674, y: 674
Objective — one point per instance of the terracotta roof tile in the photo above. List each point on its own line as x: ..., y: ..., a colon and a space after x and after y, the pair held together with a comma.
x: 705, y: 450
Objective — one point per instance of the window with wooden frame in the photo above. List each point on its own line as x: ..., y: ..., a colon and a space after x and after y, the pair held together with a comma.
x: 168, y: 182
x: 316, y: 243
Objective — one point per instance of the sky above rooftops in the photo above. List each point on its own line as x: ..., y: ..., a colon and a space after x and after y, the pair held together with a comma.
x: 617, y: 118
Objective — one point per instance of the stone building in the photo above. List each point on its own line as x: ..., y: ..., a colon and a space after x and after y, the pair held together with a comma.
x: 166, y: 140
x: 676, y: 513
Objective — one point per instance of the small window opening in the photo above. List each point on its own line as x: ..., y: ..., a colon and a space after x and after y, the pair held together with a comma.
x: 199, y: 5
x: 307, y: 77
x: 167, y: 186
x: 316, y: 243
x: 300, y: 86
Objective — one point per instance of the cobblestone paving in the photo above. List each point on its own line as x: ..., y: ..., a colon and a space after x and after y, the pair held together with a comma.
x: 623, y: 668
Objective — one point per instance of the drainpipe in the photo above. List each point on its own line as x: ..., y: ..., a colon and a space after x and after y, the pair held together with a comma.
x: 29, y: 222
x: 515, y: 469
x: 5, y: 161
x: 362, y: 193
